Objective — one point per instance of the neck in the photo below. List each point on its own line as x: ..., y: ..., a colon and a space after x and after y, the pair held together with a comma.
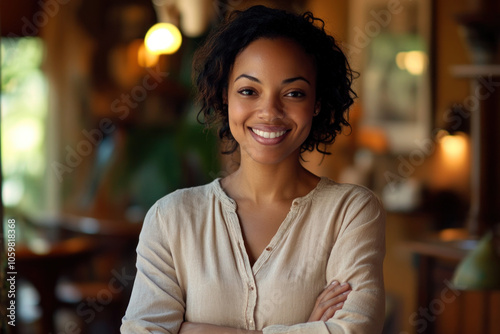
x: 262, y: 183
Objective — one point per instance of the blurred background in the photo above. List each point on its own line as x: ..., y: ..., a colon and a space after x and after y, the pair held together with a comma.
x: 98, y: 121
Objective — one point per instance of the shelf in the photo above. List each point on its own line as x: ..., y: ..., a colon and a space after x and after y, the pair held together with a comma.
x: 439, y: 249
x: 472, y: 71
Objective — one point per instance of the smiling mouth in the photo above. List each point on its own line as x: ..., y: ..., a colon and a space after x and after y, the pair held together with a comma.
x: 270, y: 135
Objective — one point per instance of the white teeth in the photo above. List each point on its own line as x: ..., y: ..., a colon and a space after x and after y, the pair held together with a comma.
x: 271, y: 135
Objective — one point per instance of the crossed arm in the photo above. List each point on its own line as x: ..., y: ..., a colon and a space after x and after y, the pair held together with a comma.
x: 328, y: 302
x: 360, y: 242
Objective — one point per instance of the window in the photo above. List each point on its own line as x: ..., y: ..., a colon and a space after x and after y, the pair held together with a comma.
x: 24, y: 107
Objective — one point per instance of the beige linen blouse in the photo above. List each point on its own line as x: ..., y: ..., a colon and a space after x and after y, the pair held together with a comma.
x: 192, y: 264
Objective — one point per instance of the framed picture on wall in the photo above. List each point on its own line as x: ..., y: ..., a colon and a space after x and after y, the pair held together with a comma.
x: 389, y: 45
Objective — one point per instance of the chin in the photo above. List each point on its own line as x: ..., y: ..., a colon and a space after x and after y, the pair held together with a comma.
x: 266, y: 158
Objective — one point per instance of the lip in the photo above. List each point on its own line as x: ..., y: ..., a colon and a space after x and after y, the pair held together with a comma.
x: 268, y: 141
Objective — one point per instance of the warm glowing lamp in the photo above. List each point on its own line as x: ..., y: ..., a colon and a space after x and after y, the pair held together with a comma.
x: 451, y: 162
x: 163, y: 38
x: 454, y: 147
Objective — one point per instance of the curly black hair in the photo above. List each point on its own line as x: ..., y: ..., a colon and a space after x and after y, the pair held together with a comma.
x: 213, y: 62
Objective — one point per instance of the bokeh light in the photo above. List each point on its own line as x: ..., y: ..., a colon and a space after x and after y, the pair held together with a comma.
x: 163, y: 38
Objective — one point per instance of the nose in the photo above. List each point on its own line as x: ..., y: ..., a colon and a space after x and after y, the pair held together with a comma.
x: 271, y: 108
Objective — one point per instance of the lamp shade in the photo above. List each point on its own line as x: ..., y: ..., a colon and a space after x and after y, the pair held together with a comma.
x: 480, y: 269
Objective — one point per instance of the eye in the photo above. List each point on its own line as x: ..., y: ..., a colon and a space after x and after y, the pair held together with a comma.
x: 246, y: 92
x: 295, y: 93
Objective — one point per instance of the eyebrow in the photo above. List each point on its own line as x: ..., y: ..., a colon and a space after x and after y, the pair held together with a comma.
x: 286, y: 81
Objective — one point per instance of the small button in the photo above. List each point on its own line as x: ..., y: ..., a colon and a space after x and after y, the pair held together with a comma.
x: 269, y: 249
x: 251, y: 322
x: 251, y: 287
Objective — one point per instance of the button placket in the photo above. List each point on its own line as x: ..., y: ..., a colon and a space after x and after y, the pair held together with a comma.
x: 252, y: 303
x: 245, y: 269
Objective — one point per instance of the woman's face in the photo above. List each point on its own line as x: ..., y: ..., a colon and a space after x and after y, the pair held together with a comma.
x: 271, y: 99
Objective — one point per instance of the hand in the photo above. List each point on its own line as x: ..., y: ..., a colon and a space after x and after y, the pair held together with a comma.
x: 330, y: 301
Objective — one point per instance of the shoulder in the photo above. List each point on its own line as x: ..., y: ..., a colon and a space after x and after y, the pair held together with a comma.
x: 181, y: 206
x: 186, y: 198
x: 345, y: 193
x: 349, y: 203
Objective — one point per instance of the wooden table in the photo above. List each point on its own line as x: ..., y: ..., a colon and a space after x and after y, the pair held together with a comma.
x: 53, y: 246
x: 43, y: 267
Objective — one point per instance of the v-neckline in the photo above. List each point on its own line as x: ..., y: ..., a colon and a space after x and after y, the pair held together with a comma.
x: 277, y: 237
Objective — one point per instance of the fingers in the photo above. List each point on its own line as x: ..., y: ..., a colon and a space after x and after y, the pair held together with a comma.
x: 332, y: 305
x: 329, y: 291
x: 330, y: 300
x: 330, y: 312
x: 333, y: 290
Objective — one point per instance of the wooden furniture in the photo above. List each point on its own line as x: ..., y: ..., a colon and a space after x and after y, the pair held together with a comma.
x: 80, y: 262
x: 483, y: 104
x: 480, y: 29
x: 113, y: 272
x: 441, y: 308
x: 42, y: 267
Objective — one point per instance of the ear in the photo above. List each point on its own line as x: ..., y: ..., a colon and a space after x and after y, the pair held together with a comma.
x: 317, y: 108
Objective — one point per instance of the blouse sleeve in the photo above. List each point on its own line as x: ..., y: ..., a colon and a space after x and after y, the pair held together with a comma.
x: 357, y: 258
x: 156, y: 304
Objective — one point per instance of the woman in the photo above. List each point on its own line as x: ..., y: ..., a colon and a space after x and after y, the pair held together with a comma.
x: 264, y: 249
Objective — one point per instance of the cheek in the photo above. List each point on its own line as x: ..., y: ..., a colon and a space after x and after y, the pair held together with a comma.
x: 307, y: 126
x: 235, y: 120
x: 307, y: 130
x: 305, y: 116
x: 237, y: 112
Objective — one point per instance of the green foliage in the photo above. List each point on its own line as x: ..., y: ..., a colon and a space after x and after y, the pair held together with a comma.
x: 24, y: 102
